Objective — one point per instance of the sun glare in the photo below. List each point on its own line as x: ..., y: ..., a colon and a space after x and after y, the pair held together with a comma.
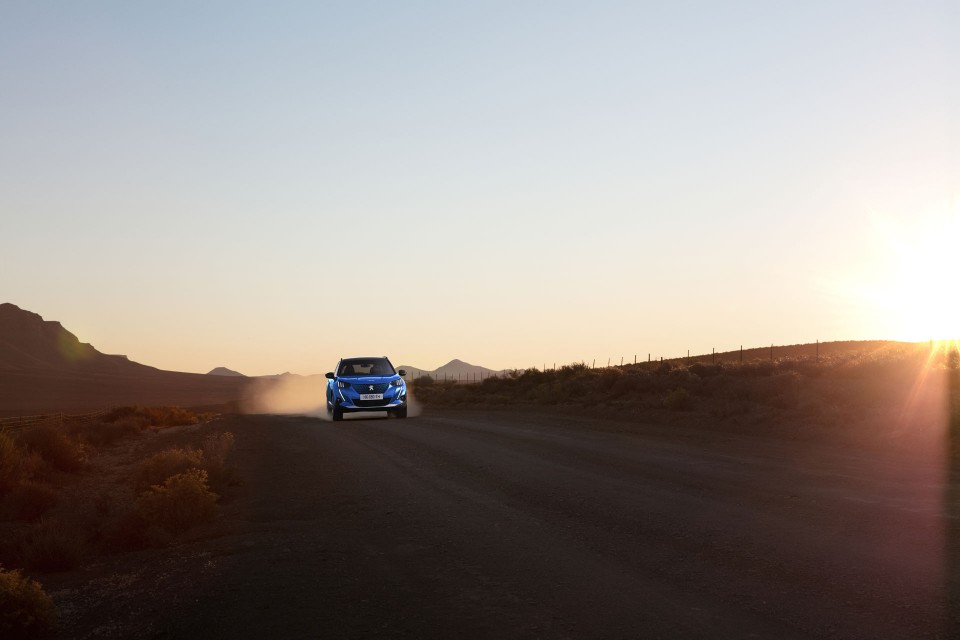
x: 915, y: 283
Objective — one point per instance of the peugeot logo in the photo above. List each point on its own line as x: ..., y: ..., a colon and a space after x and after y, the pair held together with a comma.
x: 371, y: 387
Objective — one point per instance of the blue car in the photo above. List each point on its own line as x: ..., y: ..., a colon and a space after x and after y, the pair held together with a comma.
x: 366, y: 384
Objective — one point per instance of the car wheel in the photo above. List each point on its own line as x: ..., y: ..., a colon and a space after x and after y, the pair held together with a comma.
x: 400, y: 413
x: 337, y: 413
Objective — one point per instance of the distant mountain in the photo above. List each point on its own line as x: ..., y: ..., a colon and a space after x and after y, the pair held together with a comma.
x: 27, y: 341
x: 45, y: 368
x: 223, y: 371
x: 453, y: 370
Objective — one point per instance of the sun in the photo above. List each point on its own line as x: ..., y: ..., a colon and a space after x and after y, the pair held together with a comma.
x: 914, y: 280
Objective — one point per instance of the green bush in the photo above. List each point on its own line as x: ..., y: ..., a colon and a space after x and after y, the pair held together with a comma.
x: 181, y: 502
x: 26, y: 611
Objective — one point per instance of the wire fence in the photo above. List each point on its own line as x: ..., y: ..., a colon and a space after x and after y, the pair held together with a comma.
x: 19, y: 423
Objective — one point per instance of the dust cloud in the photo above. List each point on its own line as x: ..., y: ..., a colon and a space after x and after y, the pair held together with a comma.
x: 302, y: 396
x: 288, y: 395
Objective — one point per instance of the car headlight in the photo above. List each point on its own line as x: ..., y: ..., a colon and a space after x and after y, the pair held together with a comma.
x: 398, y: 382
x: 343, y: 385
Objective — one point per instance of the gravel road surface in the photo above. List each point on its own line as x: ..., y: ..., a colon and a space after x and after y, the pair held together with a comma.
x: 469, y: 524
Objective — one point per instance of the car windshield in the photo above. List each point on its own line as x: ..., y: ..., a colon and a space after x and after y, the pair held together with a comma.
x: 365, y: 367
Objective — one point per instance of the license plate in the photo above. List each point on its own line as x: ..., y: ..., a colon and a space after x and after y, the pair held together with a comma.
x: 371, y: 396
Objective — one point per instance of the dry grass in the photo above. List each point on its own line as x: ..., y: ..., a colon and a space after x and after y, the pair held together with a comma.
x: 170, y: 462
x: 868, y: 393
x: 55, y: 447
x: 54, y: 545
x: 216, y: 448
x: 30, y: 500
x: 11, y: 463
x: 53, y: 517
x: 156, y: 416
x: 26, y: 611
x: 181, y: 502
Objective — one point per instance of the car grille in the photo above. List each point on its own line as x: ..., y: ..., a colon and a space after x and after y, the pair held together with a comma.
x: 372, y: 403
x: 370, y: 388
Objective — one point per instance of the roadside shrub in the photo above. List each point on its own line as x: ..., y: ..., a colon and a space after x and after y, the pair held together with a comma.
x: 26, y: 611
x: 181, y: 502
x: 953, y: 359
x: 609, y: 377
x: 101, y: 434
x: 155, y: 416
x: 53, y: 546
x: 531, y: 378
x: 30, y: 500
x: 51, y: 444
x: 157, y: 468
x: 216, y: 448
x: 705, y: 370
x: 11, y: 463
x: 628, y: 384
x: 423, y: 381
x: 678, y: 400
x: 127, y: 531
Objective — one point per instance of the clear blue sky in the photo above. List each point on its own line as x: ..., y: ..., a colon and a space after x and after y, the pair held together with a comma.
x: 270, y: 186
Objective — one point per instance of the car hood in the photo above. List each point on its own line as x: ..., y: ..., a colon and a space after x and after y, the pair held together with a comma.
x: 368, y: 379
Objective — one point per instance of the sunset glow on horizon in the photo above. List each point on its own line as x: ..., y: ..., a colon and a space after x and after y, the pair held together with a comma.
x: 271, y: 188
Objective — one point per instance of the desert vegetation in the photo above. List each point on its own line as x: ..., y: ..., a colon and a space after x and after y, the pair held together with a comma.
x: 26, y: 611
x: 877, y: 387
x: 72, y: 492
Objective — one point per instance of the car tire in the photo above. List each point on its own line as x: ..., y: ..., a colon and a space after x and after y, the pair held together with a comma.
x: 337, y: 413
x: 400, y: 413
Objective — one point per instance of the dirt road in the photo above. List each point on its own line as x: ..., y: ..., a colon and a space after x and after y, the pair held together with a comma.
x: 529, y: 525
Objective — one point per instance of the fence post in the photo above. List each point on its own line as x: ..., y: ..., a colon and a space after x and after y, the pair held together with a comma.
x: 741, y: 354
x: 621, y: 361
x: 634, y: 358
x: 713, y: 356
x: 818, y: 350
x: 771, y: 353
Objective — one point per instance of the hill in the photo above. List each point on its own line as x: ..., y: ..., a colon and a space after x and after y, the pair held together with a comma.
x: 28, y: 342
x: 453, y: 370
x: 223, y: 371
x: 45, y: 368
x: 874, y: 389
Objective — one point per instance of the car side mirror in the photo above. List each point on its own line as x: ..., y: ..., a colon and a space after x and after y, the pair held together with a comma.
x: 330, y: 375
x: 402, y: 373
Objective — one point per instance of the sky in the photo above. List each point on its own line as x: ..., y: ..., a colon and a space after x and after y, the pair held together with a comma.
x: 271, y: 186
